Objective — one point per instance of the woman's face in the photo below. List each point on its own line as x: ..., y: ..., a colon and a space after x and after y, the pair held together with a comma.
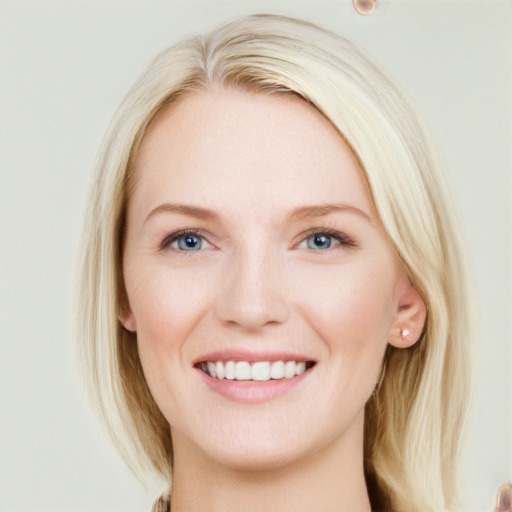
x: 253, y: 250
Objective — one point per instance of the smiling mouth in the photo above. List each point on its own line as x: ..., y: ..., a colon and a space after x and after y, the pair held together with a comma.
x: 259, y: 371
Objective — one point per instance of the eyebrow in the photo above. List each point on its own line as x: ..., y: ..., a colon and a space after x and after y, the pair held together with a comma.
x: 303, y: 212
x: 191, y: 211
x: 321, y: 210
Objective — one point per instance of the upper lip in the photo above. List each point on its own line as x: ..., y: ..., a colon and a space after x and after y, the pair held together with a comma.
x: 251, y: 356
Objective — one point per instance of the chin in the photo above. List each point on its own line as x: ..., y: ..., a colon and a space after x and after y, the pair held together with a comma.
x: 259, y: 456
x: 243, y: 444
x: 252, y: 446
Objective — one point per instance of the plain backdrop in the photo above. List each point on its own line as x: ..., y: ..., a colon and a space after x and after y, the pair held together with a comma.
x: 66, y: 64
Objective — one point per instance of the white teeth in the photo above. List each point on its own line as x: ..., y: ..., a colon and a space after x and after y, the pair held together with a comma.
x: 258, y: 371
x: 229, y: 369
x: 289, y: 370
x: 211, y: 369
x: 261, y: 371
x: 219, y: 370
x: 277, y: 370
x: 243, y: 371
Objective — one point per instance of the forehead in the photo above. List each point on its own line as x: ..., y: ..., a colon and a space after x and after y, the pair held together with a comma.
x: 249, y: 150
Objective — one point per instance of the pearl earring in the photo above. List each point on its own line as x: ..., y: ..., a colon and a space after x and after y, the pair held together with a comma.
x: 405, y: 333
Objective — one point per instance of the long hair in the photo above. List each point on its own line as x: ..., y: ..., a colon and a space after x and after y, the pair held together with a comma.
x: 414, y: 420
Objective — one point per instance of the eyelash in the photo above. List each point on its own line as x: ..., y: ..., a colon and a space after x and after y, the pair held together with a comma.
x: 342, y: 238
x: 173, y: 237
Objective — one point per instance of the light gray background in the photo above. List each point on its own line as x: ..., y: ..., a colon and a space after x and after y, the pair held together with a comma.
x: 65, y: 66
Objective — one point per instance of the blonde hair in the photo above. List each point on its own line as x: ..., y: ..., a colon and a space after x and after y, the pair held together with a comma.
x: 415, y: 418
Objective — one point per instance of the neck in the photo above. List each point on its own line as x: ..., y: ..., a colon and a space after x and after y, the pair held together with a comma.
x: 329, y: 480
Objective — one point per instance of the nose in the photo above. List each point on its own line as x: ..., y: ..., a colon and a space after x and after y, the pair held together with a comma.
x: 253, y: 291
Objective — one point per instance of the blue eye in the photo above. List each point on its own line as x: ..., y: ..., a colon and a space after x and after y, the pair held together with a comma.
x: 189, y: 243
x: 185, y: 241
x: 319, y: 241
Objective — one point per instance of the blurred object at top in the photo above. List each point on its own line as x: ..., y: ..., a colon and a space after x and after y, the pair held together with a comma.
x: 504, y: 501
x: 364, y: 7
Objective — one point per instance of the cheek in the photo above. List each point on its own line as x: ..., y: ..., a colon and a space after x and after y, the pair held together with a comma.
x: 352, y: 310
x: 355, y: 302
x: 166, y: 306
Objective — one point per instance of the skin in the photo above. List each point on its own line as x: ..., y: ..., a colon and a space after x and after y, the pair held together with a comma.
x: 260, y: 283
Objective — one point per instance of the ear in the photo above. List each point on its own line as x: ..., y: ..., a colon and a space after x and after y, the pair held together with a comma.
x: 409, y: 318
x: 127, y: 319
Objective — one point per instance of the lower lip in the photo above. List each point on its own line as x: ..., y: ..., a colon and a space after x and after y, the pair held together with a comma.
x: 251, y: 392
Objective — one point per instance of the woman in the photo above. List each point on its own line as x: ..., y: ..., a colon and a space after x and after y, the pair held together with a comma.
x: 276, y: 308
